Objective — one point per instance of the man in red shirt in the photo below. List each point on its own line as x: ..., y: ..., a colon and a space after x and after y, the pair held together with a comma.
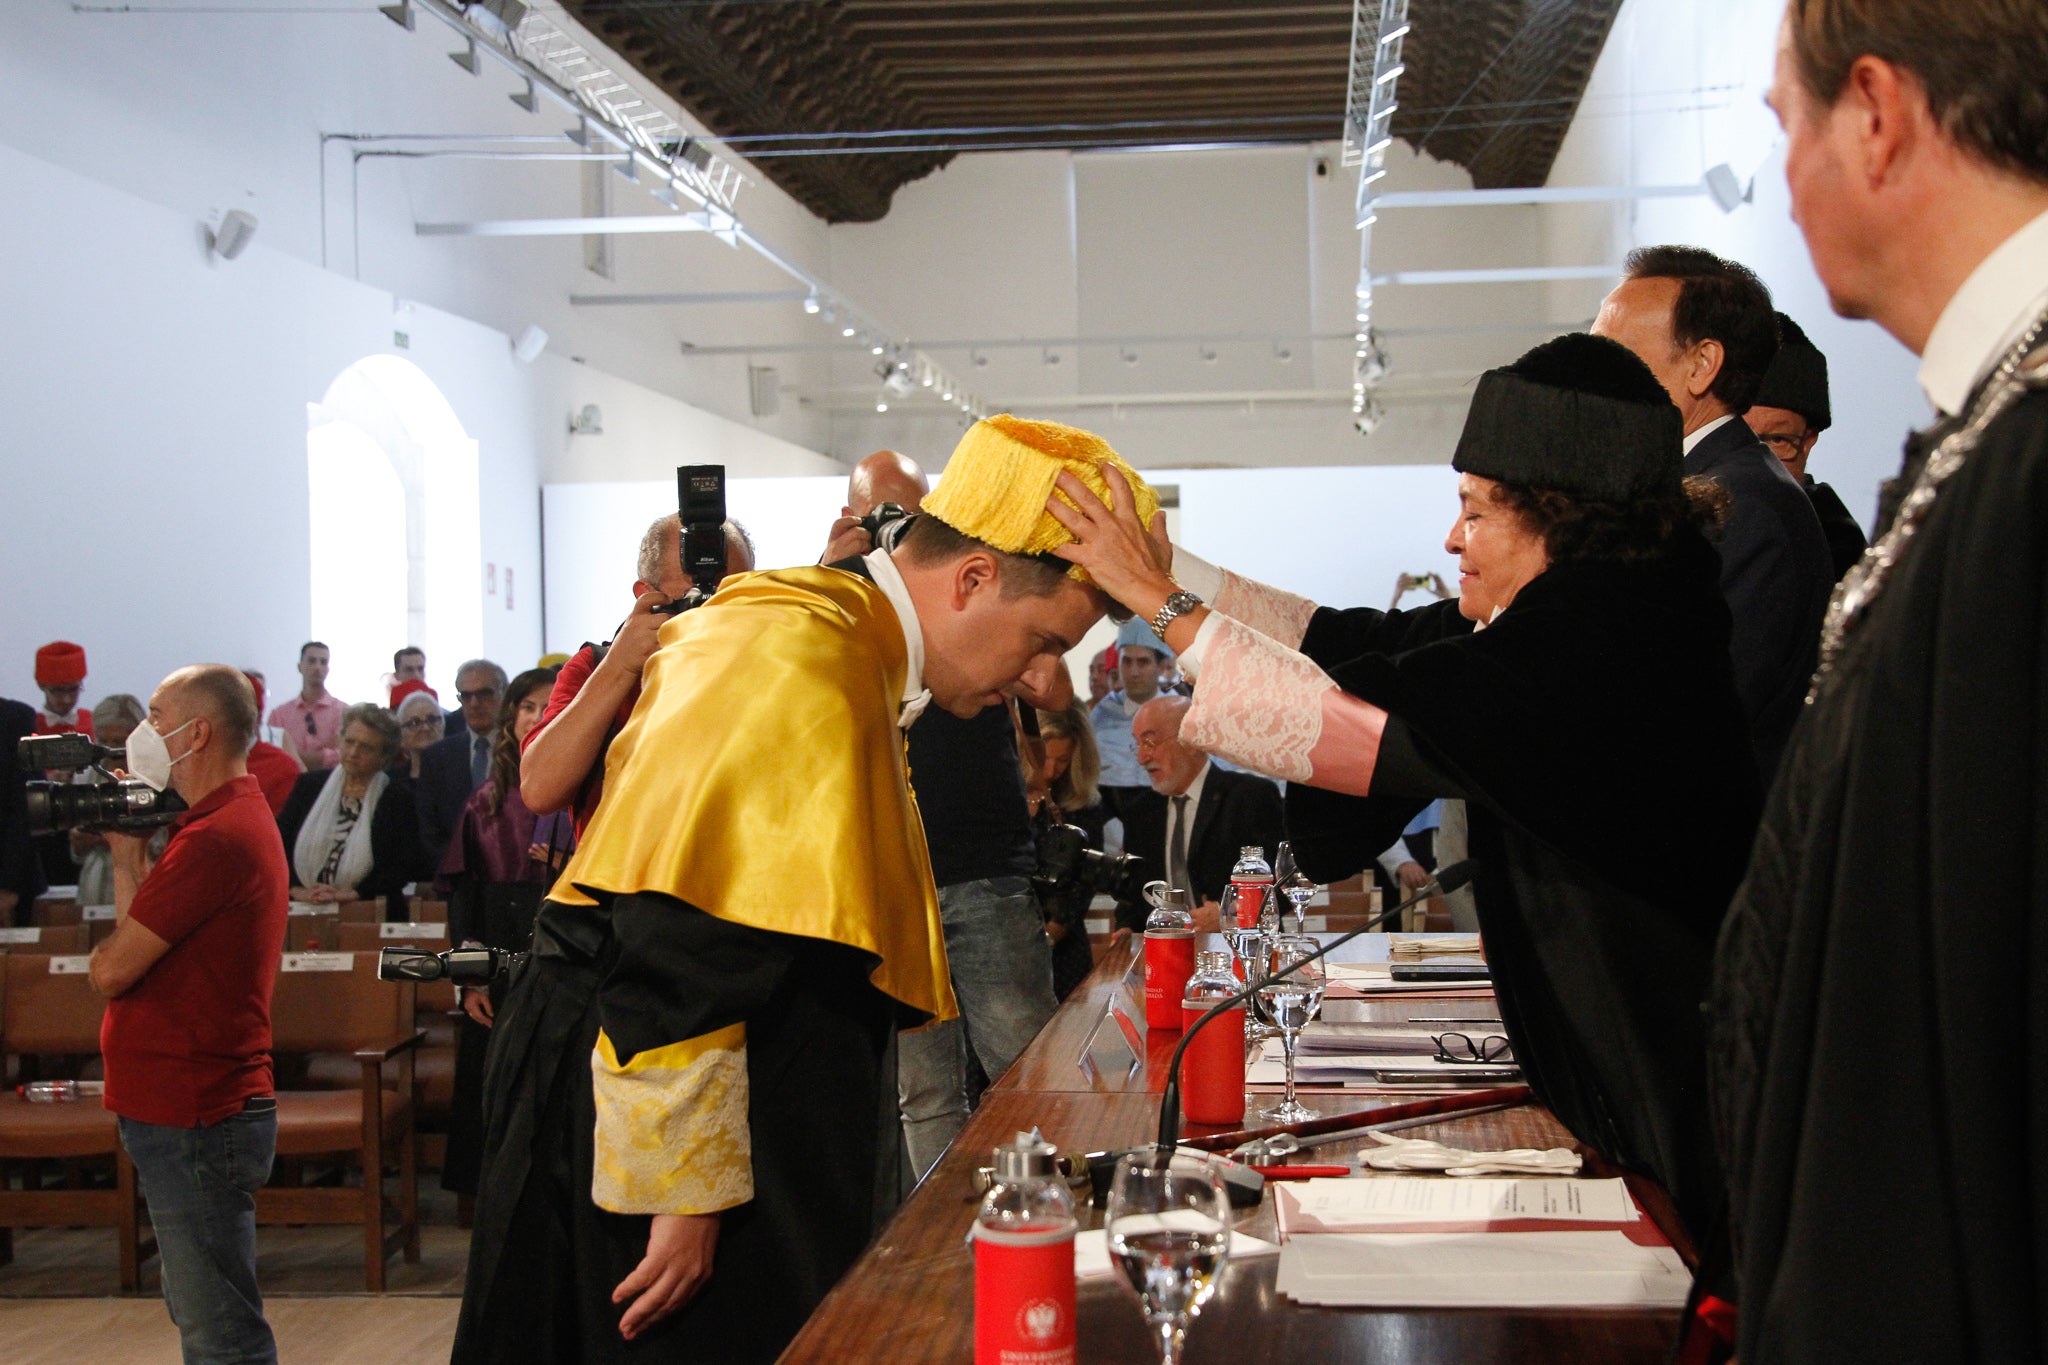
x: 595, y: 691
x: 275, y: 769
x: 187, y: 974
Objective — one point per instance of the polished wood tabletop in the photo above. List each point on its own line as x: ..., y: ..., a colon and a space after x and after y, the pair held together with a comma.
x: 910, y: 1299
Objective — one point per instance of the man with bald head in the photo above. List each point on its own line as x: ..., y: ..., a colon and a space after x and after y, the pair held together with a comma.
x: 883, y: 477
x: 187, y: 974
x: 1208, y: 816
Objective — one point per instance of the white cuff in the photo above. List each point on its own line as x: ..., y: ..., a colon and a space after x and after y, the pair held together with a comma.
x: 1197, y: 574
x: 1205, y: 635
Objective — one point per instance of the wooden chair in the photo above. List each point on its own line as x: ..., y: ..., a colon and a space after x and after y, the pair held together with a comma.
x: 313, y: 931
x: 437, y: 1011
x: 48, y: 1006
x: 333, y: 1002
x: 46, y: 911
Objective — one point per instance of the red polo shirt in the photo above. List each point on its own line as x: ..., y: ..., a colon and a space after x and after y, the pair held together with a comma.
x: 568, y: 683
x: 190, y: 1042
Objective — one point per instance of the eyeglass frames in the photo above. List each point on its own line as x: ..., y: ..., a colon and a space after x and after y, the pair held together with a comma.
x: 1463, y: 1047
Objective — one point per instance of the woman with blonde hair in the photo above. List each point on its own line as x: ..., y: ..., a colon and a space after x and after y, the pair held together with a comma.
x: 1066, y: 789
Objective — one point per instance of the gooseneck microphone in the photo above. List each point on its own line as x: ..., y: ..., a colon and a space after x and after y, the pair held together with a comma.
x: 1445, y: 881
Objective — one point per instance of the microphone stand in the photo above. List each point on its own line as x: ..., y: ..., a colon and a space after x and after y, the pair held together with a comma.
x: 1446, y: 880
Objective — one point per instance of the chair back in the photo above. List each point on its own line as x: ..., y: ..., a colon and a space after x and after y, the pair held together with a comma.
x: 333, y: 1002
x: 49, y: 938
x: 369, y: 938
x: 50, y: 1005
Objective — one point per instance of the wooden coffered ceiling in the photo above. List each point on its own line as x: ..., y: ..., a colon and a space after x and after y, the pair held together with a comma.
x: 1490, y: 84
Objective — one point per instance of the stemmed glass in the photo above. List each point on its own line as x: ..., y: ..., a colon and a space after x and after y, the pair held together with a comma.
x: 1292, y: 883
x: 1169, y: 1232
x: 1291, y: 1001
x: 1248, y: 945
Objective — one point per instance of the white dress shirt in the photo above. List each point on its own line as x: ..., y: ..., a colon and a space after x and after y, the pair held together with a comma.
x: 916, y: 696
x: 1723, y: 420
x: 2006, y: 291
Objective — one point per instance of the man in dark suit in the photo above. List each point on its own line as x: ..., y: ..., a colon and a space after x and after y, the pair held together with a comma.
x: 1203, y: 818
x: 1706, y: 327
x: 456, y: 766
x: 1789, y: 414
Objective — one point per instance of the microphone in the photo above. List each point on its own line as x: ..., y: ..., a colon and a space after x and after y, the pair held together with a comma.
x: 1446, y: 880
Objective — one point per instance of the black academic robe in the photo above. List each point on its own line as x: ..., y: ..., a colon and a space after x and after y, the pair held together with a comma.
x: 1776, y: 575
x: 1880, y: 1002
x: 1594, y: 731
x: 1846, y: 542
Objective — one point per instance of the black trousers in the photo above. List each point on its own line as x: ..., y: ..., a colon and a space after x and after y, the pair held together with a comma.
x: 822, y: 1114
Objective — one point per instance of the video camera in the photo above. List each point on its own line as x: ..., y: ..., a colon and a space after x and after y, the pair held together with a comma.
x: 700, y: 506
x: 127, y: 804
x: 1065, y: 861
x: 464, y: 966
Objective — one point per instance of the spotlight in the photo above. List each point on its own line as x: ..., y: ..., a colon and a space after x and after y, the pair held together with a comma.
x: 811, y: 302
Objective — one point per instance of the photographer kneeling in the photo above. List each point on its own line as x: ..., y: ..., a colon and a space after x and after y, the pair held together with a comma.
x: 187, y: 974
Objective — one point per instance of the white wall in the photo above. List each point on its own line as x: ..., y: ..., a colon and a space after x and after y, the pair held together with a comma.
x: 1338, y: 536
x: 1717, y: 55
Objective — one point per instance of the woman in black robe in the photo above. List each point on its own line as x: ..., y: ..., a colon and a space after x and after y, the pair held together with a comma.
x: 1577, y: 696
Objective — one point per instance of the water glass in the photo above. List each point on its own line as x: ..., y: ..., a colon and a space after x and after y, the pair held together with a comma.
x: 1290, y: 1002
x: 1168, y: 1223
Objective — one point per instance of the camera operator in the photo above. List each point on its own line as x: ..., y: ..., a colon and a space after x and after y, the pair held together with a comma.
x: 977, y: 825
x: 596, y: 689
x: 187, y: 974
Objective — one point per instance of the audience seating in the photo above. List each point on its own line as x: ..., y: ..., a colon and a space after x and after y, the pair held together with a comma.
x: 60, y: 939
x: 437, y: 1013
x: 48, y: 1006
x: 333, y: 1002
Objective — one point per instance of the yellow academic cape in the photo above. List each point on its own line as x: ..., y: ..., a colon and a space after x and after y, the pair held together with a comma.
x: 762, y: 778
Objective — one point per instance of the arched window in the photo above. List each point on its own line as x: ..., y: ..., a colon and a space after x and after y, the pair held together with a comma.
x: 392, y: 489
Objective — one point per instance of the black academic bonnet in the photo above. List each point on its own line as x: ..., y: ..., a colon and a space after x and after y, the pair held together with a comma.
x: 1580, y: 414
x: 1798, y: 378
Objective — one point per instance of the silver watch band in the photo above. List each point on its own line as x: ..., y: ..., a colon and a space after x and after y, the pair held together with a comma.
x: 1178, y: 603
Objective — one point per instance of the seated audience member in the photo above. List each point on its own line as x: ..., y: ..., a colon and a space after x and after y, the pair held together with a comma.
x: 60, y: 673
x: 1592, y: 728
x: 21, y: 870
x: 497, y: 867
x: 420, y: 727
x: 351, y: 832
x: 1139, y: 655
x: 309, y: 725
x: 1208, y: 816
x: 1065, y: 788
x: 1789, y: 414
x: 114, y: 718
x: 274, y: 767
x: 457, y: 765
x: 1101, y: 668
x: 595, y: 691
x: 1706, y: 329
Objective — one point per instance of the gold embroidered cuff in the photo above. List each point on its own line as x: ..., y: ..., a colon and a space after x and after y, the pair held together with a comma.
x: 672, y: 1126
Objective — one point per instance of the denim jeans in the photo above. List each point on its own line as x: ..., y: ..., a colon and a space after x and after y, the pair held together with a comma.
x: 1002, y: 973
x: 200, y: 1185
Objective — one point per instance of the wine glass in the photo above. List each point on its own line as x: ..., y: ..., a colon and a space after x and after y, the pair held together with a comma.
x: 1291, y: 1001
x: 1169, y: 1233
x: 1293, y: 884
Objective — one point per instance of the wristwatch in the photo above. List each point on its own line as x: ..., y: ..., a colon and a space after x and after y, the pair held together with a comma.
x: 1179, y: 602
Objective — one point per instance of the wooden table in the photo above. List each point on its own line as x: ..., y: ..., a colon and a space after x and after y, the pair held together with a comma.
x: 910, y: 1298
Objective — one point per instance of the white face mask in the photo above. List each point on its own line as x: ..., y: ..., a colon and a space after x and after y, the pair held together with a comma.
x: 149, y: 758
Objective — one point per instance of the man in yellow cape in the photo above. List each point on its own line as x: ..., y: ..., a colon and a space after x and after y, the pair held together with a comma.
x: 690, y: 1103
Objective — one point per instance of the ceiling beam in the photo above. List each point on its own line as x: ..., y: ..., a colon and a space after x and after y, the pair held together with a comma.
x: 566, y: 227
x: 1563, y: 194
x: 688, y: 300
x: 1530, y: 274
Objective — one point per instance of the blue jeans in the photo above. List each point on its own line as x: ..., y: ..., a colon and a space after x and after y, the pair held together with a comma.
x: 200, y: 1185
x: 1002, y: 973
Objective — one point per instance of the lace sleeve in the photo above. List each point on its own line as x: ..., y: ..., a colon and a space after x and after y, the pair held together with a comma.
x: 1264, y: 706
x: 1268, y: 610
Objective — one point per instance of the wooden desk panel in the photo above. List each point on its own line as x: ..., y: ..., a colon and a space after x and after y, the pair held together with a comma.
x: 910, y: 1299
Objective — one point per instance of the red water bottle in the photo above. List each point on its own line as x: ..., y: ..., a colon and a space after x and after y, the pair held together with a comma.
x: 1024, y: 1260
x: 1252, y: 878
x: 1212, y: 1068
x: 1169, y: 960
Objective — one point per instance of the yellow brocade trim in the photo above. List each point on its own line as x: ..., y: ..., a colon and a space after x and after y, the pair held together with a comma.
x: 672, y: 1126
x: 761, y: 778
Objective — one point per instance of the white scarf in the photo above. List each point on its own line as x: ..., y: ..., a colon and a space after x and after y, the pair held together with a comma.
x: 316, y: 836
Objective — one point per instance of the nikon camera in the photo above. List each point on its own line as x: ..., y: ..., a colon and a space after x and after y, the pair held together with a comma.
x: 126, y: 804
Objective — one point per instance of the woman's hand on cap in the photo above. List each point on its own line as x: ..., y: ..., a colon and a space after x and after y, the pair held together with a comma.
x: 1119, y: 553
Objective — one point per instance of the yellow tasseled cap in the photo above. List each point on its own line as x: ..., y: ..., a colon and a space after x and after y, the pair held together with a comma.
x: 996, y: 485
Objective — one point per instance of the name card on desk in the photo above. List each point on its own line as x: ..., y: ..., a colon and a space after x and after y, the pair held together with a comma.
x: 89, y: 913
x: 311, y: 908
x: 318, y: 962
x: 70, y: 966
x: 397, y: 929
x: 21, y: 936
